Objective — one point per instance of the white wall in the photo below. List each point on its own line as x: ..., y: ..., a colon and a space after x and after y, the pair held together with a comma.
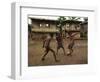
x: 5, y: 37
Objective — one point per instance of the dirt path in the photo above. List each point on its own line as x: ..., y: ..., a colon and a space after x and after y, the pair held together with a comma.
x: 79, y: 56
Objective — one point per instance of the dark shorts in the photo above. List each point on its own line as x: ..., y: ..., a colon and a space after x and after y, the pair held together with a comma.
x: 60, y: 46
x: 70, y: 46
x: 47, y: 48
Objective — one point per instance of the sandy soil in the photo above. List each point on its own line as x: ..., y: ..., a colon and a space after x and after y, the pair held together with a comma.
x: 35, y: 53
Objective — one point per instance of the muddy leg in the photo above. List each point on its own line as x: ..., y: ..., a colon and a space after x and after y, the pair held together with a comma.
x: 57, y: 51
x: 64, y: 50
x: 71, y: 51
x: 43, y: 58
x: 54, y: 55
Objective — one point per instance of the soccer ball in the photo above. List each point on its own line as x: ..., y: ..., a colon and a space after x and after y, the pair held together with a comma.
x: 68, y: 52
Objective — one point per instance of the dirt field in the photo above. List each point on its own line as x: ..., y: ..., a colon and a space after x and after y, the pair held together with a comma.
x: 36, y: 51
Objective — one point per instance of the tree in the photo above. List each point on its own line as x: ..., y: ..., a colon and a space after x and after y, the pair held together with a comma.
x: 61, y: 23
x: 70, y: 18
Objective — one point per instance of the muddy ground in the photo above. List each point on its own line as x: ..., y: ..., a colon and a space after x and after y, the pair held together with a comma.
x: 36, y: 51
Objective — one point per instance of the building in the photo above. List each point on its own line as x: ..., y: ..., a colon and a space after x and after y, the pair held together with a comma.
x: 41, y: 27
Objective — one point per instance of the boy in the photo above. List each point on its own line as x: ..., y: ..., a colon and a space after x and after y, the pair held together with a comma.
x: 59, y: 43
x: 46, y: 45
x: 71, y: 43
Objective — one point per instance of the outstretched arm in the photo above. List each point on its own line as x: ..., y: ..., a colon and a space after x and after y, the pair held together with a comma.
x: 74, y: 34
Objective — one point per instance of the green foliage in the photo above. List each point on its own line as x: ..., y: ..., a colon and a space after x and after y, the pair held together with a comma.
x: 61, y: 22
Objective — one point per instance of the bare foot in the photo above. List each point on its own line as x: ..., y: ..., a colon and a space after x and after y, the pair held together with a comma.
x: 43, y: 59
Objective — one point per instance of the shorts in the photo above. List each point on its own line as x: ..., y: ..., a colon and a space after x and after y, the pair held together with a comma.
x: 60, y: 46
x: 70, y: 46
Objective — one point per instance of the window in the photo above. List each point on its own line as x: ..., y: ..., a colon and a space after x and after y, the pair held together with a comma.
x: 47, y: 25
x: 40, y: 25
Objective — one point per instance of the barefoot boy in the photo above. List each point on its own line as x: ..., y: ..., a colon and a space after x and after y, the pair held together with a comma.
x: 71, y: 43
x: 46, y: 45
x: 59, y: 43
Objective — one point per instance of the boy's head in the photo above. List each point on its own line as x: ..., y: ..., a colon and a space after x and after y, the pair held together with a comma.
x: 58, y: 34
